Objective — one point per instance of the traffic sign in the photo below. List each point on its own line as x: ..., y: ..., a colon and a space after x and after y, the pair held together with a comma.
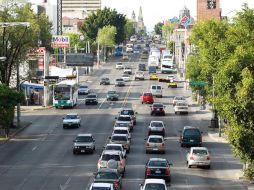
x: 198, y: 83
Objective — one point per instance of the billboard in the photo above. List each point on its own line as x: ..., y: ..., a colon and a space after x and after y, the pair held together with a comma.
x: 60, y: 42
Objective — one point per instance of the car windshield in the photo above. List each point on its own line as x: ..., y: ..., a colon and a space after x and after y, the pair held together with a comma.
x: 101, y: 188
x: 155, y: 140
x: 83, y: 87
x: 157, y: 163
x: 107, y: 157
x: 157, y: 105
x: 71, y: 117
x: 120, y: 131
x: 119, y: 79
x: 127, y: 112
x: 111, y: 92
x: 113, y: 148
x: 179, y: 98
x: 181, y: 104
x: 84, y: 139
x: 105, y: 79
x: 125, y: 75
x: 199, y: 151
x: 190, y: 132
x: 148, y: 94
x: 91, y: 96
x: 154, y: 186
x: 124, y: 118
x: 156, y: 124
x: 119, y: 138
x: 106, y: 175
x: 121, y: 125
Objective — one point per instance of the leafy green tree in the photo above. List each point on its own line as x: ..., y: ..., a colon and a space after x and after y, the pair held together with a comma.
x: 158, y: 28
x: 8, y: 99
x: 225, y: 54
x: 16, y: 41
x: 101, y: 18
x: 129, y: 29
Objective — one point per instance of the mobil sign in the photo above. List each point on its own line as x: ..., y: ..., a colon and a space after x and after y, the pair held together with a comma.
x: 60, y: 42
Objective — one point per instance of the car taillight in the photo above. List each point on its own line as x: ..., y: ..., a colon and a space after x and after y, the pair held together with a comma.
x: 162, y: 144
x: 191, y: 158
x: 148, y: 171
x: 116, y: 184
x: 147, y: 144
x: 167, y: 172
x: 208, y: 158
x: 121, y: 163
x: 99, y: 163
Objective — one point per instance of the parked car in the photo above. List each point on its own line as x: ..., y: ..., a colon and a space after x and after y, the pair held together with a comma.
x: 83, y: 89
x: 119, y: 65
x: 156, y: 128
x: 157, y: 109
x: 119, y: 82
x: 181, y: 107
x: 112, y: 95
x: 154, y: 184
x: 84, y: 143
x: 190, y: 136
x: 178, y: 98
x: 158, y: 168
x: 112, y: 155
x: 107, y: 175
x: 198, y: 156
x: 155, y: 143
x: 156, y: 90
x: 126, y: 77
x: 71, y: 120
x: 146, y: 97
x: 129, y: 112
x: 121, y: 139
x: 118, y: 147
x: 99, y: 186
x: 139, y: 75
x: 91, y: 99
x: 105, y: 81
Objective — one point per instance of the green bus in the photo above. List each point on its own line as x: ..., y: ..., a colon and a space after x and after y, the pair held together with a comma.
x: 65, y: 94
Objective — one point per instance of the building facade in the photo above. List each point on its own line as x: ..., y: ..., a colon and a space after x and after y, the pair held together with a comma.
x: 208, y: 9
x: 72, y: 6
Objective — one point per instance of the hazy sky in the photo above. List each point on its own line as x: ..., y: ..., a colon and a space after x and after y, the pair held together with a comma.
x: 159, y: 10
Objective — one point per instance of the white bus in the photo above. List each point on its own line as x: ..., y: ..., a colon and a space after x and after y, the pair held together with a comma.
x: 167, y: 66
x: 65, y: 94
x: 153, y: 61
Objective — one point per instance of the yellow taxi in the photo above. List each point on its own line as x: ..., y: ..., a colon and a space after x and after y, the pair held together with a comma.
x: 153, y: 77
x: 172, y: 84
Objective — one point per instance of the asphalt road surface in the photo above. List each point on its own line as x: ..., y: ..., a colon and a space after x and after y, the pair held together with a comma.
x: 40, y: 157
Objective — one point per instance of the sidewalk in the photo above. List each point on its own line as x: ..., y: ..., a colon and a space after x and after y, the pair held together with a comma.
x: 32, y: 108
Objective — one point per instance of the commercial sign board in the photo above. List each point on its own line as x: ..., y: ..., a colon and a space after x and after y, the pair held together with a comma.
x: 60, y: 42
x: 185, y: 21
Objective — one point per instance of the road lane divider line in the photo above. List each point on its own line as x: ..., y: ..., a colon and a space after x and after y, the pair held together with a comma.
x: 34, y: 148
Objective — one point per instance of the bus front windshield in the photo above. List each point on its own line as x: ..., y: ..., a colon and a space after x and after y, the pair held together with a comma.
x: 62, y: 93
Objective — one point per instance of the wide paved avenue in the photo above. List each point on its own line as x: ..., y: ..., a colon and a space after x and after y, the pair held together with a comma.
x: 40, y: 157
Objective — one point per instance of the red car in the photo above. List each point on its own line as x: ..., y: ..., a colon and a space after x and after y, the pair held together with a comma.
x: 147, y: 97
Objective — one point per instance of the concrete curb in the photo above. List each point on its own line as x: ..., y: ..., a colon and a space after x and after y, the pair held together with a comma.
x: 27, y: 109
x: 16, y: 132
x: 215, y: 137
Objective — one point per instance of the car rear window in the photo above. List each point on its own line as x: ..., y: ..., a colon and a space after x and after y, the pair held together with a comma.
x: 107, y: 157
x: 157, y: 163
x: 124, y: 118
x: 121, y: 125
x: 120, y: 132
x: 200, y: 152
x: 157, y: 105
x: 190, y: 132
x: 71, y: 117
x: 84, y: 139
x: 113, y: 148
x: 119, y: 79
x: 91, y: 96
x: 147, y: 94
x: 156, y: 124
x: 106, y: 175
x: 155, y: 140
x: 119, y: 138
x: 101, y: 188
x: 83, y: 87
x: 155, y: 186
x: 127, y: 112
x: 154, y: 87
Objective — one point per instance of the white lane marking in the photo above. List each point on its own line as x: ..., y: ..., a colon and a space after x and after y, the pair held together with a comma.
x: 63, y: 187
x: 104, y: 100
x: 34, y: 148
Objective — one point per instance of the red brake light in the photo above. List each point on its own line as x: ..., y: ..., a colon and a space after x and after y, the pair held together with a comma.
x: 162, y: 144
x: 167, y: 172
x: 116, y: 184
x: 148, y: 171
x: 147, y: 144
x: 191, y: 158
x: 208, y: 158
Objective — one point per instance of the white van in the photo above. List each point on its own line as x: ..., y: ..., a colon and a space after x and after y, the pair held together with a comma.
x: 156, y: 90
